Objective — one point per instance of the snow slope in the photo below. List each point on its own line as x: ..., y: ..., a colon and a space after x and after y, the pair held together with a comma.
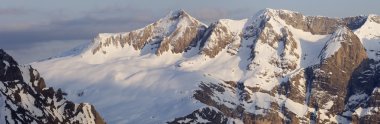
x: 370, y: 36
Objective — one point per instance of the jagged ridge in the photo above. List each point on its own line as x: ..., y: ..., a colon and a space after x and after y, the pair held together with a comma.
x: 24, y: 98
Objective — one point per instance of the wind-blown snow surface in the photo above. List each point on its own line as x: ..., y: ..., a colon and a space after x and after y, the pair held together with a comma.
x: 128, y: 89
x: 370, y: 36
x: 127, y: 86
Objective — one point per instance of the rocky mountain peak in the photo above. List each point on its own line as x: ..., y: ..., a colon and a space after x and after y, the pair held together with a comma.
x: 275, y: 12
x: 177, y: 32
x: 315, y: 24
x: 342, y: 56
x: 341, y: 36
x: 170, y: 33
x: 341, y: 33
x: 177, y: 14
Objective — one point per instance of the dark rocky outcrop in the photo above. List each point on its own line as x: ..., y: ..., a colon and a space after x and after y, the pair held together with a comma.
x: 205, y: 115
x: 318, y: 24
x: 26, y: 99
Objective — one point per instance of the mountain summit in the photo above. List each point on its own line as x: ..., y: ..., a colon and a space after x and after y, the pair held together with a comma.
x: 277, y: 66
x: 176, y: 33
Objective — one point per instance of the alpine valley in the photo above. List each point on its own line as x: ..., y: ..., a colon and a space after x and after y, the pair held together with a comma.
x: 277, y: 66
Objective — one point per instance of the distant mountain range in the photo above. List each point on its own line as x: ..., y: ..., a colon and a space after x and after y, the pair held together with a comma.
x: 278, y: 66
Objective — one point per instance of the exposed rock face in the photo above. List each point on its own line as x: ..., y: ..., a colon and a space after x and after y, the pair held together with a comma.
x: 177, y: 33
x: 318, y: 25
x: 221, y: 34
x: 25, y: 98
x: 328, y: 90
x: 204, y: 115
x: 363, y: 96
x: 342, y: 54
x: 184, y: 36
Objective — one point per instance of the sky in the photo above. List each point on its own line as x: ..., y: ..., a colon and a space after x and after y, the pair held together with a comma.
x: 35, y: 30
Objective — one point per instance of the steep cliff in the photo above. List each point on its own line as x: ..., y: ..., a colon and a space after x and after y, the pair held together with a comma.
x: 25, y: 98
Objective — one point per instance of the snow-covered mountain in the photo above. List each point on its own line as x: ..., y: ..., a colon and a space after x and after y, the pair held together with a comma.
x: 25, y: 99
x: 278, y: 66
